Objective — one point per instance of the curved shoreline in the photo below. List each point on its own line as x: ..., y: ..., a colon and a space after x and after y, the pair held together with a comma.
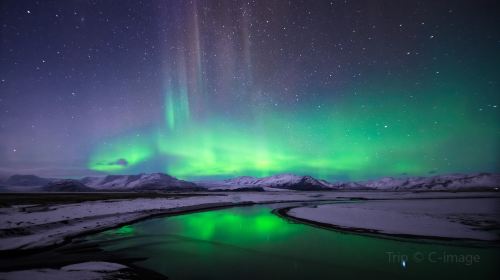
x: 182, y: 210
x: 281, y: 212
x: 464, y: 242
x: 179, y: 210
x: 167, y: 212
x: 136, y: 270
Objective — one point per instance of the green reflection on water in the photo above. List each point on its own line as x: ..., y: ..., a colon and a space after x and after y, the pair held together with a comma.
x: 124, y: 230
x: 232, y: 226
x: 251, y: 242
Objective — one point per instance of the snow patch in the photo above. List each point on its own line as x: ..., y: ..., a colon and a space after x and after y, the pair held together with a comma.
x: 94, y: 266
x: 449, y: 218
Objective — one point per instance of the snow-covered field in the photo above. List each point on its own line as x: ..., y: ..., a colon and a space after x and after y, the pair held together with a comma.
x: 467, y: 218
x: 79, y: 271
x: 21, y: 228
x: 432, y: 214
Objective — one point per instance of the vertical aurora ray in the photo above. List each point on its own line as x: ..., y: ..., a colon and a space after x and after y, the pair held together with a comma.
x: 169, y: 110
x: 184, y: 104
x: 176, y: 107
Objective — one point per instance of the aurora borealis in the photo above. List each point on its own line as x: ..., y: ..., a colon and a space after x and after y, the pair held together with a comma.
x: 212, y: 89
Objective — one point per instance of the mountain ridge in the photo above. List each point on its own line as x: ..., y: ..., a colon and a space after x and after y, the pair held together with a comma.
x: 137, y: 182
x: 279, y: 182
x: 453, y: 182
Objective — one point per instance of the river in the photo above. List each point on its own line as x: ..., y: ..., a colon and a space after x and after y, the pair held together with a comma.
x: 253, y: 243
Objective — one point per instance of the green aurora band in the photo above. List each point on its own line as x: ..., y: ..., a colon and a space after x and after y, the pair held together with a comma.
x: 379, y: 131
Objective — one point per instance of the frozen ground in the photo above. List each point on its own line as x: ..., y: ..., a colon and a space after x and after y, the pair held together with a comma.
x: 80, y: 271
x: 472, y: 218
x: 30, y: 226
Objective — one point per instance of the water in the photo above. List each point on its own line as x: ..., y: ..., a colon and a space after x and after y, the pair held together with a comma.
x: 252, y: 243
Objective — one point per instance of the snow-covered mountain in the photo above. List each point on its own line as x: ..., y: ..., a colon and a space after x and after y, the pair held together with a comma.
x: 349, y: 186
x: 281, y: 181
x: 452, y: 182
x: 142, y: 181
x: 66, y: 185
x: 27, y: 180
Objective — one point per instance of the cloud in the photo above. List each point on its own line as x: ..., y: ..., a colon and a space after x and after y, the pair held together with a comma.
x: 121, y: 161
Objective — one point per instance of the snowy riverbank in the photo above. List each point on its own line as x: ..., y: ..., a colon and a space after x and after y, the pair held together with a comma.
x: 79, y: 271
x: 466, y: 218
x: 31, y: 226
x: 25, y: 227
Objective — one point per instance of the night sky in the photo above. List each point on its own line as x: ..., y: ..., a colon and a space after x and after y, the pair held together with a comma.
x: 212, y: 89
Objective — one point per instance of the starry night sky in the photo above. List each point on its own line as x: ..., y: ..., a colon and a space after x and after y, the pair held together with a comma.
x: 212, y: 89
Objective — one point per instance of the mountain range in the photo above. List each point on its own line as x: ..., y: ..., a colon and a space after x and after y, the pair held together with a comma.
x: 138, y: 182
x: 281, y: 182
x: 26, y: 180
x: 452, y: 182
x: 276, y: 182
